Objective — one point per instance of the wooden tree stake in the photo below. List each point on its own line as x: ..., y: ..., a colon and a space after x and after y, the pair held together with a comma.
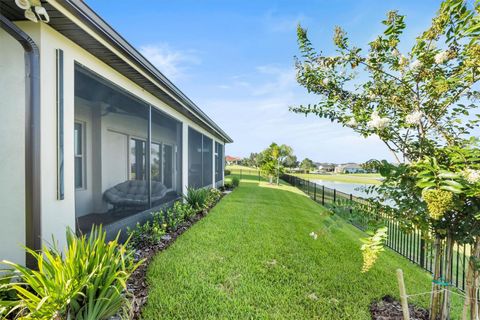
x: 403, y: 295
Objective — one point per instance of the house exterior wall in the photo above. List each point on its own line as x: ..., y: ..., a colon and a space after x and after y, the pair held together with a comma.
x: 12, y: 155
x: 57, y: 215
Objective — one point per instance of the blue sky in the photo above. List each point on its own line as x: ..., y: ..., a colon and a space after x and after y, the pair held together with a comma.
x: 234, y: 59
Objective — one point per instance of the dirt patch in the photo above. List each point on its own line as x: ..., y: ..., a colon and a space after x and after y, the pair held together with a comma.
x: 390, y: 309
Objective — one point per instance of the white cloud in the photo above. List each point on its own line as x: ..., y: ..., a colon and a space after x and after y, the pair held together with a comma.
x: 172, y: 63
x: 254, y: 109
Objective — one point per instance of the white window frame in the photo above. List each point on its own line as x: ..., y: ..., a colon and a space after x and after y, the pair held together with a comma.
x: 82, y: 156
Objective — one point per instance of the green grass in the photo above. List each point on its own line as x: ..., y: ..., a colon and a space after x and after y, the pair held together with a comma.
x: 252, y: 258
x: 362, y: 178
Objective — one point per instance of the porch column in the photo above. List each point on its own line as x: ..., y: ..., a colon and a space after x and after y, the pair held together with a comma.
x: 184, y: 158
x: 214, y: 183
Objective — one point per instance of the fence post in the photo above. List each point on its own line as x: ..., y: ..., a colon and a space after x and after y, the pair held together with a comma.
x: 323, y: 195
x: 334, y: 195
x: 351, y: 201
x: 422, y: 251
x: 315, y: 192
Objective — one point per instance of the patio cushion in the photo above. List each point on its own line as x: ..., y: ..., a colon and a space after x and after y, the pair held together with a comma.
x: 134, y: 193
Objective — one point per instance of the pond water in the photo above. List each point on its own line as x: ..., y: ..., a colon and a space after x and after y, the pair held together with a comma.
x: 356, y: 189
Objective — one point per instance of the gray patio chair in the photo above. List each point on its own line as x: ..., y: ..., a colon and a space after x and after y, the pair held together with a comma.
x: 133, y: 193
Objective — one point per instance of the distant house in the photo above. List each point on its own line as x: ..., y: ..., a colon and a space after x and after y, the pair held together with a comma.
x: 326, y: 167
x: 232, y: 160
x: 349, y: 168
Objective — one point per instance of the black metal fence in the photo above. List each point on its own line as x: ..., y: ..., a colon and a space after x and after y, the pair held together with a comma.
x: 244, y: 173
x: 412, y: 245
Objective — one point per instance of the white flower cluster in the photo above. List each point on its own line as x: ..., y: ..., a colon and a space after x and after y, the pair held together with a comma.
x: 472, y: 176
x: 403, y: 61
x: 377, y: 122
x: 326, y: 81
x: 352, y: 123
x: 396, y: 53
x: 417, y: 64
x: 313, y: 235
x: 414, y: 118
x: 441, y: 57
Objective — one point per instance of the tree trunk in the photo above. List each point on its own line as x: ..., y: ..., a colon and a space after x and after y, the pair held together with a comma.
x: 471, y: 297
x: 448, y: 277
x: 437, y: 295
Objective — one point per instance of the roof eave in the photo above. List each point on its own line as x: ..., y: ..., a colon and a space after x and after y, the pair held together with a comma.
x: 82, y: 11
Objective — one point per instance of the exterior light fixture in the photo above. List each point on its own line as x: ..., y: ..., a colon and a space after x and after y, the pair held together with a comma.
x: 37, y: 14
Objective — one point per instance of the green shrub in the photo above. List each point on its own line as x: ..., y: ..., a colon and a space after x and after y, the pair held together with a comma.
x: 235, y: 181
x: 184, y: 210
x: 227, y: 172
x: 173, y: 218
x: 213, y: 196
x: 87, y: 281
x: 149, y: 233
x: 196, y: 198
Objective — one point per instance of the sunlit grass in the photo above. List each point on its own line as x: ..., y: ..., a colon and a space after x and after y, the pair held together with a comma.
x: 361, y: 178
x: 252, y: 258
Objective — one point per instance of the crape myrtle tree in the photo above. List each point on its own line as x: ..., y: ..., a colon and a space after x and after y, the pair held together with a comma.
x: 422, y: 104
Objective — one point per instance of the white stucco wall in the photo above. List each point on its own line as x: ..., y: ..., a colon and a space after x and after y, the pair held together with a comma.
x: 12, y: 146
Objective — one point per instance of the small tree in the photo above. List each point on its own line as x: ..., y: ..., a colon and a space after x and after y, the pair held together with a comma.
x: 307, y: 165
x: 419, y: 103
x: 290, y: 161
x: 273, y: 158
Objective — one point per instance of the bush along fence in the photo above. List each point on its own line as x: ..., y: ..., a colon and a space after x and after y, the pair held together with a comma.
x: 360, y: 213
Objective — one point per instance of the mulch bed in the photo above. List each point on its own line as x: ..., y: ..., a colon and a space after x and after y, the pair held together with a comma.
x: 137, y: 284
x: 390, y: 309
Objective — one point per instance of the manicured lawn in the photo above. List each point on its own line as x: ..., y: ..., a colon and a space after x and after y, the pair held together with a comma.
x: 362, y: 178
x: 252, y: 258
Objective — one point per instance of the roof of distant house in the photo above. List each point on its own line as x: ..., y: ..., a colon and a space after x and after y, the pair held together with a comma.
x: 350, y: 165
x: 231, y: 158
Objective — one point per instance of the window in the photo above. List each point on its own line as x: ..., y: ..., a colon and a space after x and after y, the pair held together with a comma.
x: 168, y: 169
x: 79, y: 155
x: 163, y: 161
x: 137, y: 159
x: 156, y: 159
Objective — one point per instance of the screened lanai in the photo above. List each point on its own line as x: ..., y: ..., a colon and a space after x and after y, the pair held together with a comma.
x: 127, y: 154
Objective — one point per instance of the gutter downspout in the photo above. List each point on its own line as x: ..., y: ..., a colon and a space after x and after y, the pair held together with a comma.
x: 32, y: 136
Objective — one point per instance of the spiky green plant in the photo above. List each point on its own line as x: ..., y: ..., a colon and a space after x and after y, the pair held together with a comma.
x: 196, y: 198
x: 87, y: 281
